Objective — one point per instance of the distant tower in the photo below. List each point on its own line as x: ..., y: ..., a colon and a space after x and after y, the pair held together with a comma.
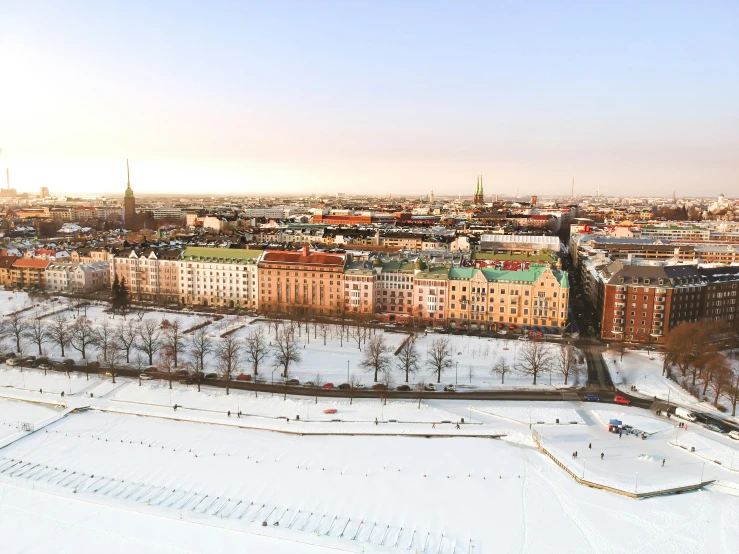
x: 44, y: 192
x: 478, y: 197
x: 129, y: 200
x: 432, y: 198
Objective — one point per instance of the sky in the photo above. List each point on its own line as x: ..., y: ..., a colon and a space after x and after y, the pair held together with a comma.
x: 359, y: 97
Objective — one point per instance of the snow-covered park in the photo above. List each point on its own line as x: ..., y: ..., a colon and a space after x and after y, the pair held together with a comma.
x: 331, y: 353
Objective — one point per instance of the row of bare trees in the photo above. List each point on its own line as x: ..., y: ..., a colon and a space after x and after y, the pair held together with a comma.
x: 533, y: 359
x: 698, y: 353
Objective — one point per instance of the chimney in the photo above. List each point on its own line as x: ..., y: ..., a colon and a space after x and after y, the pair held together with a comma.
x: 306, y: 250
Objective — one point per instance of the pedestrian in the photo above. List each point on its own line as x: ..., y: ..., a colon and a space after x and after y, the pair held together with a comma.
x: 590, y: 445
x: 619, y: 434
x: 175, y: 407
x: 375, y: 421
x: 229, y: 413
x: 663, y: 462
x: 238, y: 414
x: 601, y: 455
x: 685, y: 426
x: 457, y: 425
x: 575, y: 453
x: 433, y: 425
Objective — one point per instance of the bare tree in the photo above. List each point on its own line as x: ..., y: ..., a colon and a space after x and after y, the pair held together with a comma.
x: 376, y: 356
x: 111, y: 356
x: 387, y: 380
x: 17, y: 328
x: 59, y: 332
x: 140, y: 311
x: 165, y: 362
x: 228, y: 354
x: 256, y: 349
x: 174, y: 340
x: 731, y: 390
x: 105, y: 339
x: 36, y: 333
x: 359, y: 333
x: 200, y: 346
x: 501, y: 368
x: 81, y: 336
x: 325, y: 330
x: 534, y: 358
x: 618, y: 347
x: 470, y: 372
x: 439, y: 357
x: 150, y: 341
x: 721, y: 374
x: 354, y: 383
x: 407, y: 358
x: 565, y: 362
x: 126, y: 336
x: 285, y: 351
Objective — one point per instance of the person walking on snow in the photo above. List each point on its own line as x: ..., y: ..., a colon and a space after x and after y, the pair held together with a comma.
x: 663, y: 462
x: 433, y: 425
x: 590, y: 445
x: 229, y: 413
x: 601, y: 455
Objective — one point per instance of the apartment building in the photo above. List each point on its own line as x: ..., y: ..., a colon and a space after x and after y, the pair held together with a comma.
x: 151, y: 275
x: 359, y: 287
x: 78, y: 278
x: 6, y: 264
x: 302, y: 282
x: 395, y: 289
x: 29, y: 273
x: 431, y: 292
x: 219, y: 277
x: 487, y: 299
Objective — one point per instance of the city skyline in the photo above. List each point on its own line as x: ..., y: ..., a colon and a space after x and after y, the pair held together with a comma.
x: 291, y: 98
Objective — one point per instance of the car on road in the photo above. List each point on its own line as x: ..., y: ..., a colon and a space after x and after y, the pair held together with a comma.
x: 111, y: 374
x: 592, y: 398
x: 715, y: 428
x: 292, y: 382
x: 243, y: 377
x: 379, y: 386
x: 211, y: 376
x: 13, y: 362
x: 523, y: 338
x: 145, y: 377
x: 45, y: 367
x: 621, y: 400
x: 450, y: 388
x: 344, y: 386
x: 734, y: 435
x: 429, y: 387
x: 328, y: 386
x: 309, y: 384
x: 404, y: 388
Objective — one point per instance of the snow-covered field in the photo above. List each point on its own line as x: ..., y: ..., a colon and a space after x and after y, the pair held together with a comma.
x: 335, y: 361
x: 535, y: 413
x: 723, y: 450
x: 647, y: 424
x: 165, y: 480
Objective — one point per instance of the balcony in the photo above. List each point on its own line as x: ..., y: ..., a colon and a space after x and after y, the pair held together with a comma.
x: 618, y: 330
x: 659, y: 308
x: 656, y: 333
x: 660, y: 299
x: 620, y: 304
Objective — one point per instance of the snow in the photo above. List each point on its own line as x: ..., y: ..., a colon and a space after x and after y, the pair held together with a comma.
x: 539, y: 412
x: 723, y: 450
x: 647, y: 424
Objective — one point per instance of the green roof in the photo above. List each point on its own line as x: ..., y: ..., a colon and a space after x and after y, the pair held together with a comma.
x: 222, y: 255
x: 524, y: 275
x: 436, y: 272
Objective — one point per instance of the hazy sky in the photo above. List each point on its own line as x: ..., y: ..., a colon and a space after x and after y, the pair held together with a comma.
x: 401, y: 96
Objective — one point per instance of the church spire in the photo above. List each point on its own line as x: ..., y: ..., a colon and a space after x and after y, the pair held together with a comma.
x: 129, y: 190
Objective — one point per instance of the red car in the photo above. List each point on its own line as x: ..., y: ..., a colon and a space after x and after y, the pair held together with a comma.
x: 328, y: 386
x: 622, y: 400
x: 379, y: 386
x: 243, y: 377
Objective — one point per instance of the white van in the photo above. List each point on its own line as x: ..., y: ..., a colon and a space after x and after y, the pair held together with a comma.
x: 682, y: 413
x: 734, y: 435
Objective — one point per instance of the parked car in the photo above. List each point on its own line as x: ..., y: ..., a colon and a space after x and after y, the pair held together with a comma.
x: 151, y: 369
x: 292, y: 382
x: 430, y: 387
x: 715, y: 428
x: 734, y: 435
x: 13, y: 362
x: 592, y: 398
x: 145, y: 377
x: 621, y: 400
x: 243, y: 377
x: 328, y: 386
x: 211, y: 376
x: 344, y: 386
x: 379, y: 386
x: 309, y: 384
x: 45, y: 367
x: 404, y: 388
x: 450, y: 388
x: 687, y: 415
x: 111, y: 374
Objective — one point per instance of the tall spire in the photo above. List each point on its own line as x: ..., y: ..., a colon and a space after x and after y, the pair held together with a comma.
x: 129, y: 190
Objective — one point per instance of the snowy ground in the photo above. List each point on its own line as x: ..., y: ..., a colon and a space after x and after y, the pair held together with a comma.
x: 716, y: 449
x: 536, y: 413
x: 335, y: 361
x: 635, y: 419
x: 163, y: 481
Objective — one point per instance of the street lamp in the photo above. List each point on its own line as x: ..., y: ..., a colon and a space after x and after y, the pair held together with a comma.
x: 456, y: 371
